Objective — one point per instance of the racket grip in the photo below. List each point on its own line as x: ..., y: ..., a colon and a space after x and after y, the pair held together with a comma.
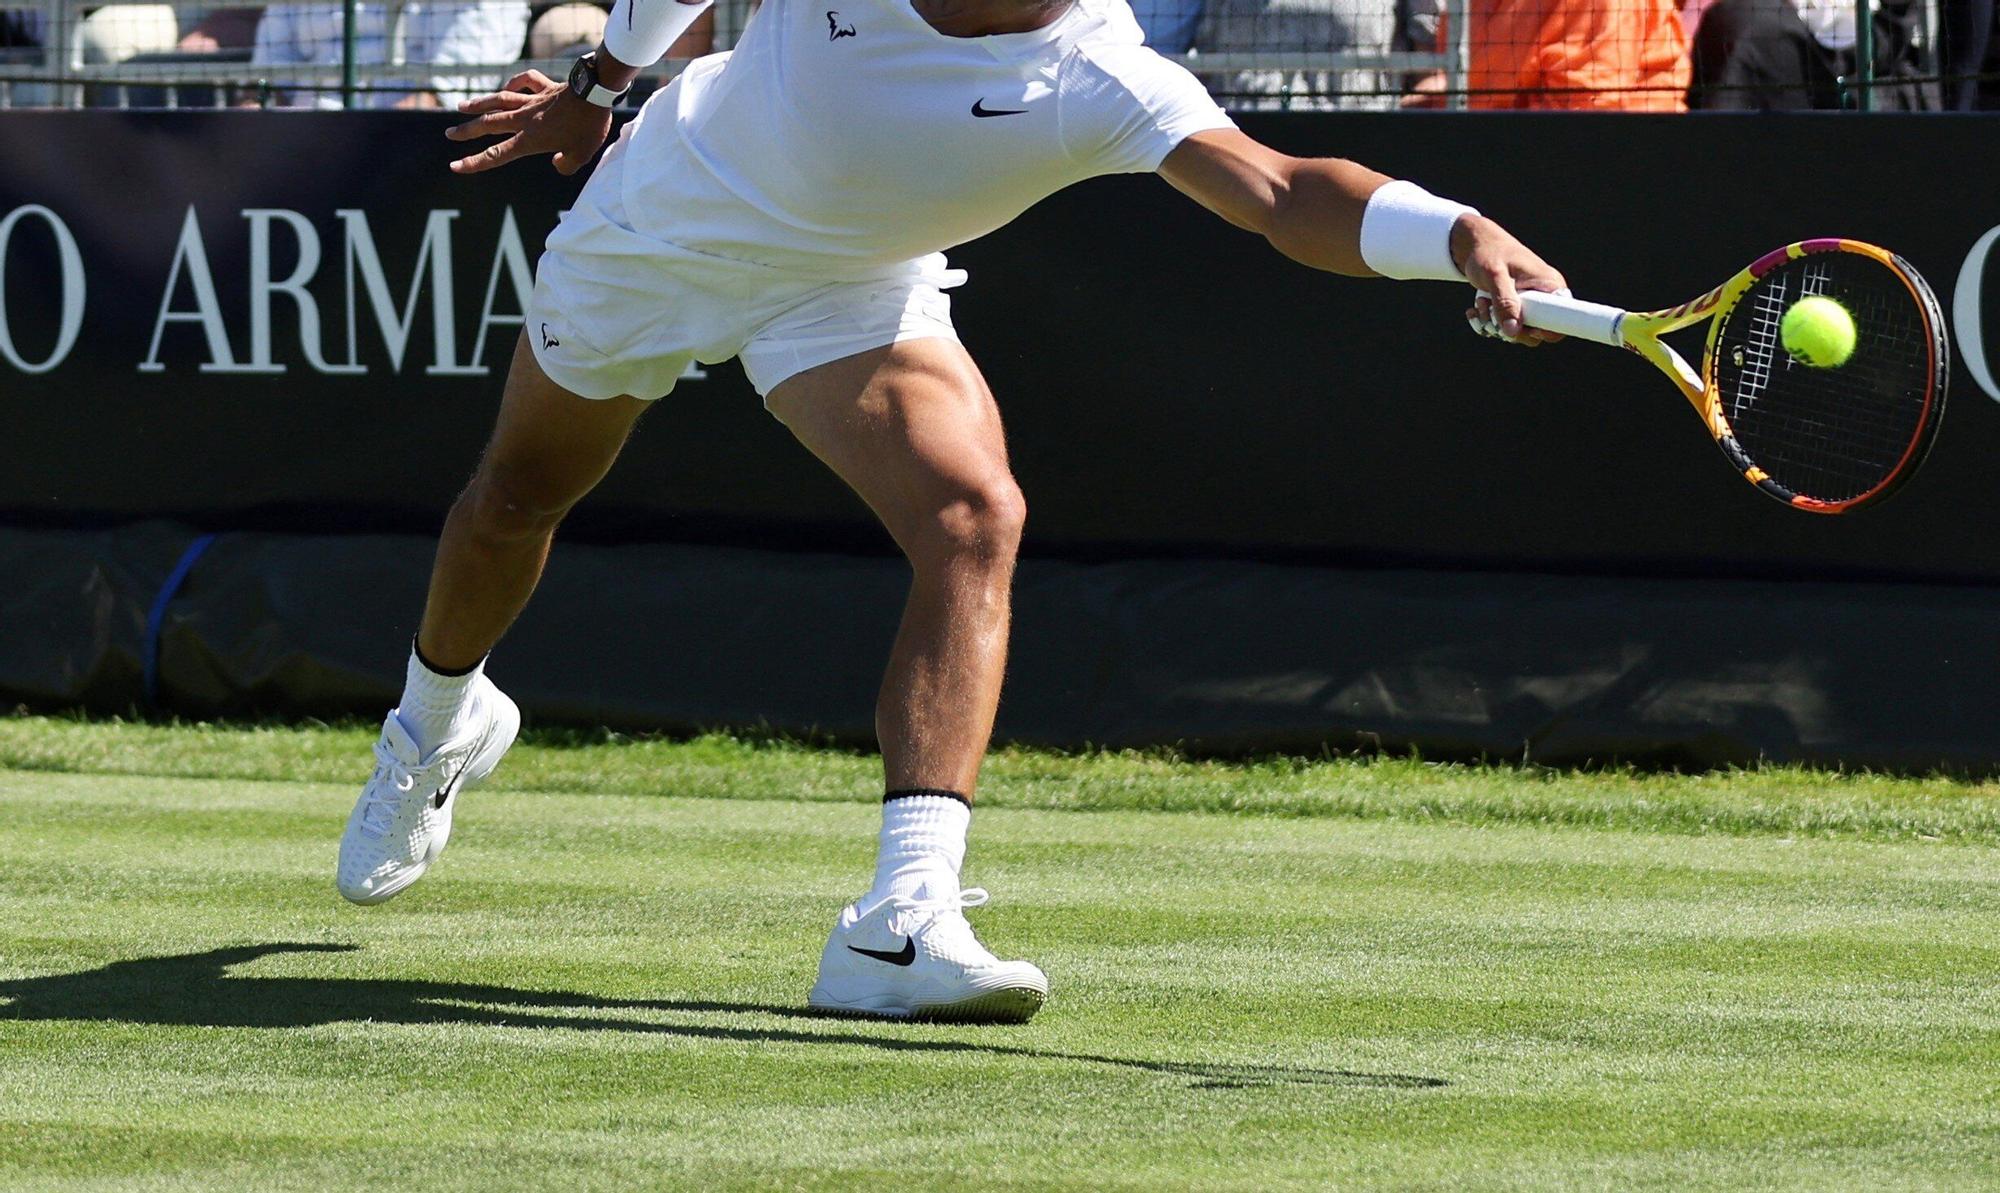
x: 1568, y: 316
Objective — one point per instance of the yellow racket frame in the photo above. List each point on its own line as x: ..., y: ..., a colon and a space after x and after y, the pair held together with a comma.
x: 1643, y: 331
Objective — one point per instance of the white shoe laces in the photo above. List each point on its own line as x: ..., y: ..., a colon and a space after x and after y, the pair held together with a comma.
x: 974, y: 896
x: 392, y: 781
x: 946, y: 915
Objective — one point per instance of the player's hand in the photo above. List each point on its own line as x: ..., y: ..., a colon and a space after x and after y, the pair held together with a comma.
x: 537, y: 115
x: 1499, y: 268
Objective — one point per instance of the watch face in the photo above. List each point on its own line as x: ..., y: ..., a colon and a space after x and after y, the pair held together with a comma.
x: 582, y: 78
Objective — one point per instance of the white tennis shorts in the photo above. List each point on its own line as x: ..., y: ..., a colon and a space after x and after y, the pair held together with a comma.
x: 616, y: 312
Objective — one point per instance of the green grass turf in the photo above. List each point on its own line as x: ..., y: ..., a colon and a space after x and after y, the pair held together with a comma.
x: 1782, y: 800
x: 1340, y: 974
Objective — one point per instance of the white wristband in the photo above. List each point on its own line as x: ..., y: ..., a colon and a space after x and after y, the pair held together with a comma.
x: 1406, y: 233
x: 640, y: 32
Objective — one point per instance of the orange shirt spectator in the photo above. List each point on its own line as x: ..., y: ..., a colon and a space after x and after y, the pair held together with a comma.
x: 1623, y: 55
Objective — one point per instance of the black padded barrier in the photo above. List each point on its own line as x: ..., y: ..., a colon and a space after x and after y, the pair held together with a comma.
x: 1217, y: 656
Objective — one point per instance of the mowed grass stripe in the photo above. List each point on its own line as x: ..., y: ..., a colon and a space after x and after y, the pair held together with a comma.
x: 600, y: 991
x: 1767, y: 800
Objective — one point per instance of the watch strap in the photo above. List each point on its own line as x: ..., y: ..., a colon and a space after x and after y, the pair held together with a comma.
x: 603, y: 96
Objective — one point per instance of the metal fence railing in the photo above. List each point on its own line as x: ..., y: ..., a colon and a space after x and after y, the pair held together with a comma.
x: 1652, y: 55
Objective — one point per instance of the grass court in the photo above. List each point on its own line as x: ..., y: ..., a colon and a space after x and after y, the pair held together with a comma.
x: 1278, y: 974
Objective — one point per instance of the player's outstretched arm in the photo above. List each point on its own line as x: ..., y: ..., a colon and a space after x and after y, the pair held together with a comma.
x: 1313, y: 211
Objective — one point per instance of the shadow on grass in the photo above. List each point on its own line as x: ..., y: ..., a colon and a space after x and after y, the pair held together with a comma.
x: 196, y: 989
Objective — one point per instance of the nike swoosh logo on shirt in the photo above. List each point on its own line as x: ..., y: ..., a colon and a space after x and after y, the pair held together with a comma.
x: 979, y: 108
x: 905, y: 957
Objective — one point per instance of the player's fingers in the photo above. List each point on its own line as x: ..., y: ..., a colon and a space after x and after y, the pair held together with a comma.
x: 1507, y: 303
x: 1484, y: 318
x: 491, y: 124
x: 1479, y: 316
x: 491, y: 156
x: 568, y: 163
x: 499, y: 101
x: 528, y: 81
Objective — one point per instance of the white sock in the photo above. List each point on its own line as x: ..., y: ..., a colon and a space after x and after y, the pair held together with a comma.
x: 921, y: 848
x: 435, y: 708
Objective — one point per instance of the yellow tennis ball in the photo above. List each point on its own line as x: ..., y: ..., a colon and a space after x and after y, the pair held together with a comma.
x: 1818, y: 331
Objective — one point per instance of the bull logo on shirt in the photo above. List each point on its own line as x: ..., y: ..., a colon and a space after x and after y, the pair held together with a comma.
x: 834, y: 30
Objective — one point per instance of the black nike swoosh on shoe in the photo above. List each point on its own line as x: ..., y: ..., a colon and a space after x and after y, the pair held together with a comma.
x: 444, y: 792
x: 905, y: 957
x: 980, y: 109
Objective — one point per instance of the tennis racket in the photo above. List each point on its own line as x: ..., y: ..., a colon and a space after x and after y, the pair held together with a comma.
x: 1824, y: 440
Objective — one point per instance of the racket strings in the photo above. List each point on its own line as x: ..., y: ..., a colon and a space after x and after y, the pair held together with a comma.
x: 1828, y: 434
x: 1847, y: 428
x: 1767, y: 311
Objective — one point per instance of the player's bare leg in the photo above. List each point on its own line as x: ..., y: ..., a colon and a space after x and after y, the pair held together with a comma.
x: 914, y: 431
x: 549, y: 448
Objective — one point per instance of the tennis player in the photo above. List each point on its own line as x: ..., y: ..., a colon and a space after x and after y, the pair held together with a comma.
x: 787, y: 204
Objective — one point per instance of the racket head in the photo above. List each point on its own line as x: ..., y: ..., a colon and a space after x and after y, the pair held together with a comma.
x: 1823, y: 440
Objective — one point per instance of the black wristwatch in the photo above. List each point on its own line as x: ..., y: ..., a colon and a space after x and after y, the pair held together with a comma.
x: 584, y: 85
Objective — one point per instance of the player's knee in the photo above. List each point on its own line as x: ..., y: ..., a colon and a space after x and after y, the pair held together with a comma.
x: 981, y: 523
x: 508, y: 503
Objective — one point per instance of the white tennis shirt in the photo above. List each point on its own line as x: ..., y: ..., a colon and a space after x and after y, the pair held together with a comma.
x: 845, y: 138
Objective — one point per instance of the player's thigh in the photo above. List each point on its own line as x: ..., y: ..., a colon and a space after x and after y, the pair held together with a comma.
x: 550, y: 446
x: 913, y: 429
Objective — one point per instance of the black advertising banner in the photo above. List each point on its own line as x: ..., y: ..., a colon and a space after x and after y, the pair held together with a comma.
x: 299, y: 322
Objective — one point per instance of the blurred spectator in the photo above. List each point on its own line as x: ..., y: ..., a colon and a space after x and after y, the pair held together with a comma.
x: 222, y: 29
x: 152, y: 45
x: 20, y: 28
x: 1169, y: 25
x: 1623, y: 55
x: 1312, y: 26
x: 20, y: 45
x: 566, y: 31
x: 1788, y: 55
x: 1971, y: 46
x: 432, y: 34
x: 115, y: 32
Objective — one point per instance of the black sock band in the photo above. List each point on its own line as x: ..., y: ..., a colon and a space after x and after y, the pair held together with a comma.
x: 433, y: 668
x: 940, y: 792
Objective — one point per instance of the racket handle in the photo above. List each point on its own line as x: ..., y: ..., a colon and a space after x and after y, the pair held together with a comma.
x: 1568, y: 316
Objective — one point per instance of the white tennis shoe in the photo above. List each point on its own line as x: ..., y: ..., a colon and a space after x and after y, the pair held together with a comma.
x: 916, y: 958
x: 403, y: 819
